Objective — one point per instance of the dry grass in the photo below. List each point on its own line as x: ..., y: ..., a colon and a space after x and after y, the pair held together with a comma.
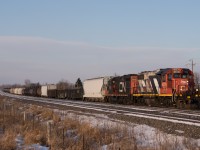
x: 68, y: 133
x: 7, y: 142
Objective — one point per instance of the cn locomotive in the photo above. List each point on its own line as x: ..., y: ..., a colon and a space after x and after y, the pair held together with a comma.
x: 168, y: 86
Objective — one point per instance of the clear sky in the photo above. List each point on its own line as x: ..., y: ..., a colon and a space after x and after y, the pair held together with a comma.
x: 49, y: 40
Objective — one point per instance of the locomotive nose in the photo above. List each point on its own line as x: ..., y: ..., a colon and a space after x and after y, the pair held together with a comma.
x: 183, y: 86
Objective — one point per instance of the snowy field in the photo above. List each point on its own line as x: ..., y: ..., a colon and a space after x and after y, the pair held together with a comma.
x: 146, y: 137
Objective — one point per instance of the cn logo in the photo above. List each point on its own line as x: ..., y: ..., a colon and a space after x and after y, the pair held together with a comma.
x: 122, y: 87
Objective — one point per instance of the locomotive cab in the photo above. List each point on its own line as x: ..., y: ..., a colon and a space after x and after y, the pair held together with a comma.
x: 178, y: 81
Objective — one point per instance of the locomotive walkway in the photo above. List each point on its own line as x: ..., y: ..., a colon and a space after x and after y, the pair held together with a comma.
x: 181, y: 119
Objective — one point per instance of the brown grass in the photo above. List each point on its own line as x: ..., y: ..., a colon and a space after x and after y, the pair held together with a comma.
x: 69, y: 134
x: 7, y: 142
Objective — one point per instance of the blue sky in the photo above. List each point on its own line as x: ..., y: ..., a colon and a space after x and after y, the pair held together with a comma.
x: 48, y: 40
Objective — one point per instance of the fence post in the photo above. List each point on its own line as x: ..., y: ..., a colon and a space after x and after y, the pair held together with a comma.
x: 33, y: 121
x: 83, y: 142
x: 63, y: 137
x: 3, y: 117
x: 24, y: 117
x: 49, y: 132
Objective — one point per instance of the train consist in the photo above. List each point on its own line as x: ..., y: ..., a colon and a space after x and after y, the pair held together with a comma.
x: 169, y: 86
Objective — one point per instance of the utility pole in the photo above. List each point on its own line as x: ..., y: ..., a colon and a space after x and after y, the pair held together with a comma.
x: 192, y: 64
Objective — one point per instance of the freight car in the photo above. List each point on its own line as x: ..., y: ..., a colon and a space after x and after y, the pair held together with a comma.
x: 33, y: 89
x: 7, y: 90
x: 72, y: 93
x: 95, y: 89
x: 65, y: 90
x: 61, y: 93
x: 75, y: 93
x: 49, y: 90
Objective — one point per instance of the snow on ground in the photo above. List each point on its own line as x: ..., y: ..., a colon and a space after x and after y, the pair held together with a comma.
x: 20, y: 145
x: 146, y: 136
x: 35, y: 147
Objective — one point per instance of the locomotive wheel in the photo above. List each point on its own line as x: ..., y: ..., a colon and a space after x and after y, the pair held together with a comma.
x: 135, y: 100
x: 159, y: 101
x: 142, y: 101
x: 179, y: 104
x: 187, y: 104
x: 148, y: 102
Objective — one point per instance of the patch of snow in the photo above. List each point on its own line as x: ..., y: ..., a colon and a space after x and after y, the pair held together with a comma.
x: 150, y: 137
x: 104, y: 147
x: 179, y: 131
x: 37, y: 147
x: 19, y: 141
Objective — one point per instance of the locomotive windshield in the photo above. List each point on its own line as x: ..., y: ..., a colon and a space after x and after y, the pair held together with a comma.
x: 177, y: 75
x: 184, y: 76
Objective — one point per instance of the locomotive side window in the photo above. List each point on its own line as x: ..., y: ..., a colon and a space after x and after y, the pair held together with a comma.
x: 163, y: 78
x: 184, y: 76
x: 190, y: 76
x: 177, y: 75
x: 169, y: 77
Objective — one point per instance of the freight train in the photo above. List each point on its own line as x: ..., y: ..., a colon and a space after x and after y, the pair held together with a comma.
x: 169, y: 86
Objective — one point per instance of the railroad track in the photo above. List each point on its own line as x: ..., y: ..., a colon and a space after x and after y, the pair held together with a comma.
x: 187, y: 117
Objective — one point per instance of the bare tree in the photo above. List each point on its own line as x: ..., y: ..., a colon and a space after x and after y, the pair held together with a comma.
x: 27, y: 82
x: 63, y: 84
